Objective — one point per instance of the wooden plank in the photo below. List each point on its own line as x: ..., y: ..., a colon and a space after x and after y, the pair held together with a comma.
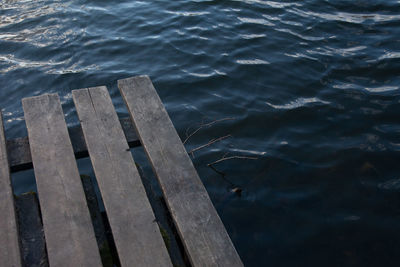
x: 134, y: 228
x: 19, y: 154
x: 203, y: 234
x: 69, y: 234
x: 9, y: 244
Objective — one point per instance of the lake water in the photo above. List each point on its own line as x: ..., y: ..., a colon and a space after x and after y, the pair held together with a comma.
x: 311, y: 89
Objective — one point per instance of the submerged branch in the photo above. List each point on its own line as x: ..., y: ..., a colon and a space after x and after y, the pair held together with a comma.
x: 212, y: 141
x: 204, y: 125
x: 228, y: 158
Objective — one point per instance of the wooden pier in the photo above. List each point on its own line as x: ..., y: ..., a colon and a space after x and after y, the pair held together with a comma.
x: 70, y: 232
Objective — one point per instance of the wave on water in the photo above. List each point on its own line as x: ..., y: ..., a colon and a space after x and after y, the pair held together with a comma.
x: 299, y: 102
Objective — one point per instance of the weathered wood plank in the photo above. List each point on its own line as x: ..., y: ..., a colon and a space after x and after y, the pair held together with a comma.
x: 135, y: 230
x: 200, y: 228
x: 19, y: 154
x: 70, y: 238
x: 9, y: 240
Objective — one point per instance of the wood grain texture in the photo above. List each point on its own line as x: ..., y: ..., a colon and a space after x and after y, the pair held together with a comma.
x: 9, y: 240
x: 134, y: 228
x: 69, y: 234
x: 203, y: 234
x: 19, y: 154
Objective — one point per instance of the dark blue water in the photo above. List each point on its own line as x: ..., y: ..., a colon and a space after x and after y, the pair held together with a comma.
x: 312, y: 89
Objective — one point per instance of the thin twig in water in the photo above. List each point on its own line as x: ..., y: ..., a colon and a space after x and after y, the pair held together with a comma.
x: 219, y: 120
x: 228, y: 158
x: 223, y: 175
x: 203, y: 125
x: 212, y: 141
x: 187, y: 138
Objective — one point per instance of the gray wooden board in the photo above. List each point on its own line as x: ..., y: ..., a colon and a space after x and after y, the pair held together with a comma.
x: 19, y: 154
x: 9, y: 244
x: 69, y: 234
x: 203, y: 234
x: 133, y: 225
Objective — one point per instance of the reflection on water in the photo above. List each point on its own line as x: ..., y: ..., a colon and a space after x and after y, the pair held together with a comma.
x: 313, y: 88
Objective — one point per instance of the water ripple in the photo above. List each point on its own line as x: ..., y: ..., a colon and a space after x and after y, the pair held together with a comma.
x: 380, y: 89
x: 390, y: 55
x: 302, y: 36
x: 252, y: 36
x: 205, y: 75
x: 186, y: 13
x: 376, y: 89
x: 50, y: 67
x: 256, y: 21
x: 300, y: 102
x: 252, y: 62
x: 274, y: 4
x: 346, y: 17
